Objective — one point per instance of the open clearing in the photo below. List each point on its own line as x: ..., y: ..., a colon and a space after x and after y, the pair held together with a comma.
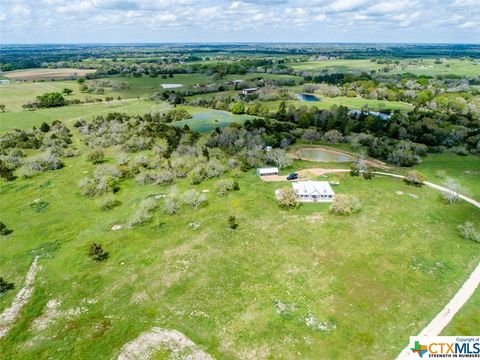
x: 222, y: 289
x: 46, y: 74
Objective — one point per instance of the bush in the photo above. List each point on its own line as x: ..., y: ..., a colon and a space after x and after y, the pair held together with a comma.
x: 107, y: 202
x: 6, y: 171
x: 5, y: 286
x: 232, y: 222
x: 44, y: 127
x: 453, y: 195
x: 287, y: 198
x: 354, y: 169
x: 238, y: 108
x: 143, y: 213
x: 96, y: 156
x: 194, y: 199
x: 345, y: 204
x: 97, y: 253
x: 94, y: 187
x: 222, y: 187
x: 414, y: 178
x: 170, y: 205
x: 368, y: 172
x: 468, y: 232
x: 3, y: 229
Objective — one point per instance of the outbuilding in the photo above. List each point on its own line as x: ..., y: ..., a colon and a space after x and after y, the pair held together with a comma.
x: 249, y: 91
x: 271, y: 171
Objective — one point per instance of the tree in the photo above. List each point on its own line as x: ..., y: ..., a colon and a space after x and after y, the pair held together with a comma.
x: 96, y: 156
x: 97, y: 253
x: 344, y: 204
x: 311, y: 135
x: 238, y: 108
x: 278, y: 157
x: 287, y: 198
x: 333, y: 136
x: 67, y: 91
x: 3, y: 229
x: 232, y: 222
x: 5, y: 286
x: 44, y: 127
x: 2, y: 107
x: 414, y: 178
x: 282, y: 111
x: 454, y: 189
x: 52, y: 99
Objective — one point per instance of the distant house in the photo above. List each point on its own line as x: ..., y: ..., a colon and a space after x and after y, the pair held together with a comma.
x: 313, y: 191
x: 235, y: 82
x: 267, y: 171
x: 249, y: 91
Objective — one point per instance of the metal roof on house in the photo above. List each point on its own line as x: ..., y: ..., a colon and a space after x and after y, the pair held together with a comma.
x: 312, y: 188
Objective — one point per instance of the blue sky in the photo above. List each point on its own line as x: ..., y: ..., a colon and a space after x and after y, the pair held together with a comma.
x: 70, y: 21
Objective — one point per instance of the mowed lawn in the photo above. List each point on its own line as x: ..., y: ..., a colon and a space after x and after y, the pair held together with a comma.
x: 375, y: 277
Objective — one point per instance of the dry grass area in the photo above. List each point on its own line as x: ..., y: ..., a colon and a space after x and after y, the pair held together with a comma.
x: 46, y: 74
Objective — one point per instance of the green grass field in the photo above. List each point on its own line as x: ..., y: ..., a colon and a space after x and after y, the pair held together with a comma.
x: 375, y: 277
x: 426, y: 67
x: 27, y: 119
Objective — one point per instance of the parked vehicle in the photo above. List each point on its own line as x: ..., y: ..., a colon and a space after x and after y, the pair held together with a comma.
x: 292, y: 176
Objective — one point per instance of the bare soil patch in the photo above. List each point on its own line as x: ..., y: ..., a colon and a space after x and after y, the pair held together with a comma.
x: 11, y: 314
x: 145, y: 346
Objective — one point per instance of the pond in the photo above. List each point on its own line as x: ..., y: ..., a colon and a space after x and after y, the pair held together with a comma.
x: 308, y: 97
x: 321, y: 155
x: 206, y: 121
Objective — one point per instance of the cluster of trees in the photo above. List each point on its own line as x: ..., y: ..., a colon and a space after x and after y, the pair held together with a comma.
x: 53, y: 140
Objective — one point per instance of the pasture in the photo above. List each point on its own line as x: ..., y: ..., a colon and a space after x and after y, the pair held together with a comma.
x: 46, y: 74
x: 427, y: 67
x: 235, y: 293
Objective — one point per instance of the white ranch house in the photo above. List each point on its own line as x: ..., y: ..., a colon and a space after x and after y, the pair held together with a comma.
x: 313, y: 191
x: 267, y: 171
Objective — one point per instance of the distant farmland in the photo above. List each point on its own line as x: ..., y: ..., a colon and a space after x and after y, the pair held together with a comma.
x: 46, y: 74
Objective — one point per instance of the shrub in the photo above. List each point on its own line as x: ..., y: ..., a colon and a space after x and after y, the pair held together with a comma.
x: 222, y: 187
x: 143, y: 213
x: 468, y: 232
x: 414, y: 178
x: 107, y: 202
x: 232, y: 223
x: 4, y: 230
x: 238, y: 108
x: 193, y: 198
x: 287, y: 198
x: 354, y: 169
x: 94, y: 187
x: 368, y: 172
x: 453, y: 195
x: 344, y: 204
x: 6, y: 171
x: 44, y: 127
x: 97, y: 253
x: 96, y: 156
x: 5, y: 286
x: 170, y: 205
